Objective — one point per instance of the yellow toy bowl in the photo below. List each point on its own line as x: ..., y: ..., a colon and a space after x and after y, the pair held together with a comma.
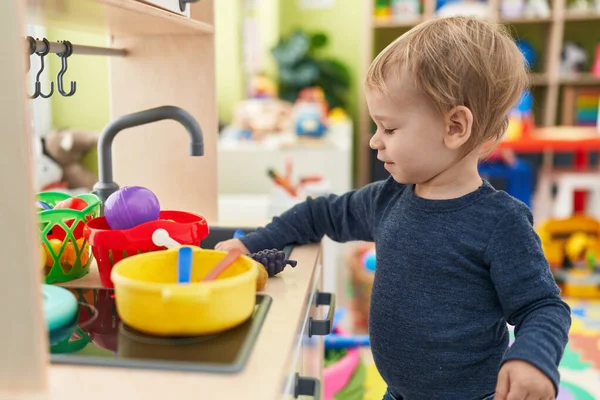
x: 150, y: 300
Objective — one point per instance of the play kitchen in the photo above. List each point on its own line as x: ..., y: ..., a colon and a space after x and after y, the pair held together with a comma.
x: 166, y: 302
x: 126, y: 296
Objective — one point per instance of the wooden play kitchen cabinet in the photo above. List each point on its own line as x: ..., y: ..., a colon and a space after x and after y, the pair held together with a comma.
x: 159, y: 55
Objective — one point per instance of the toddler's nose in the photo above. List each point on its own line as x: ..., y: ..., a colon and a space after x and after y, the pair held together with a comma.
x: 375, y: 143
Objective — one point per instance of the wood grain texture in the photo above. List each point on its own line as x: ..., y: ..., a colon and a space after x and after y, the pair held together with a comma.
x: 23, y: 344
x: 177, y: 71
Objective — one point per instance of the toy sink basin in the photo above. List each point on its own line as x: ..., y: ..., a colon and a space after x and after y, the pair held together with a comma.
x: 150, y: 300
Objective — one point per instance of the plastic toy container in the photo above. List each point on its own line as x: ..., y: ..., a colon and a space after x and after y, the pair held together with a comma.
x: 111, y: 246
x: 150, y: 300
x: 61, y: 234
x: 337, y: 375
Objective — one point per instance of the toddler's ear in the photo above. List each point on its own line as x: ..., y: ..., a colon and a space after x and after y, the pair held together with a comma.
x: 459, y: 122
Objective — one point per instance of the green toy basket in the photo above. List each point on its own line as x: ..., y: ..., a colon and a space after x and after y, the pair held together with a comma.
x: 68, y: 254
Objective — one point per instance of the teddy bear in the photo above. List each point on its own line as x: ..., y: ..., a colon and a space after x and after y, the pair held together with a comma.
x: 261, y: 117
x: 48, y: 174
x: 67, y: 148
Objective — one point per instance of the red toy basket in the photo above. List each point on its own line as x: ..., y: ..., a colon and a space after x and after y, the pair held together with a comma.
x: 111, y: 246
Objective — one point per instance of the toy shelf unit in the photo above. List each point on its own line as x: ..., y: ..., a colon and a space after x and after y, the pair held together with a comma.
x: 157, y: 56
x: 548, y: 32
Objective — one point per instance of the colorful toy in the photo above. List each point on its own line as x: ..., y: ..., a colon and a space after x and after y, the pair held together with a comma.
x: 40, y: 205
x: 521, y: 121
x: 586, y: 108
x: 338, y: 374
x: 262, y: 87
x: 184, y: 264
x: 344, y: 374
x: 150, y: 300
x: 308, y: 120
x: 256, y: 119
x: 67, y: 148
x: 518, y: 177
x: 382, y: 9
x: 60, y: 306
x: 362, y: 284
x: 48, y: 173
x: 596, y: 67
x: 368, y: 260
x: 273, y: 260
x: 573, y: 58
x: 110, y: 246
x: 405, y: 10
x: 231, y: 257
x: 66, y: 252
x: 131, y: 206
x: 528, y: 52
x: 74, y: 203
x: 570, y: 246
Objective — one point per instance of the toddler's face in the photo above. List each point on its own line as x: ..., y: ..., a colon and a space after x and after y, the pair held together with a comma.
x: 410, y: 133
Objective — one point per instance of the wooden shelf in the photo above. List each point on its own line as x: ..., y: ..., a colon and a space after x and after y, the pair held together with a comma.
x: 525, y: 20
x: 582, y: 16
x: 581, y: 79
x: 114, y: 17
x: 392, y: 23
x: 539, y: 79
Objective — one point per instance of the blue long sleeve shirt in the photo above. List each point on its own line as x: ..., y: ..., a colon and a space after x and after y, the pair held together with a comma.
x: 450, y: 275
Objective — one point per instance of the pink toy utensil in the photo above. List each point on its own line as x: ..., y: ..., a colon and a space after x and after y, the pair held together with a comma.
x: 222, y: 265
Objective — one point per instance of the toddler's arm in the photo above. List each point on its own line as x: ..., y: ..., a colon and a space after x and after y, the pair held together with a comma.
x: 342, y: 218
x: 528, y: 294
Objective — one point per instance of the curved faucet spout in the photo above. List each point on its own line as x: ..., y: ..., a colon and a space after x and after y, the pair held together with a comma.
x: 105, y: 186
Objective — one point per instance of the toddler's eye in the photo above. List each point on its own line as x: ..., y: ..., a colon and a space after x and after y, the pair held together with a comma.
x: 389, y: 131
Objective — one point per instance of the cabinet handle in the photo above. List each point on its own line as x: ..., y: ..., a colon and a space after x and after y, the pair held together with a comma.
x: 183, y: 3
x: 307, y: 387
x: 322, y: 327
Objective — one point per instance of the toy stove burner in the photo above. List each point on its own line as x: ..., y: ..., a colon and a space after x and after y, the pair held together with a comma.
x: 146, y: 338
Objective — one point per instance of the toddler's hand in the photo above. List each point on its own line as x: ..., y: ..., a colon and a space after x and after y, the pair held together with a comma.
x: 232, y: 244
x: 519, y: 380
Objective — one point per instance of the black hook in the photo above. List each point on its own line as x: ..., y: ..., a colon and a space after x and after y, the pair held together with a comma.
x: 42, y: 54
x: 63, y: 57
x: 32, y: 45
x: 37, y: 84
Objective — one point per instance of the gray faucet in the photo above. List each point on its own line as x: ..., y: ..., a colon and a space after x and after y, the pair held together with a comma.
x: 105, y: 186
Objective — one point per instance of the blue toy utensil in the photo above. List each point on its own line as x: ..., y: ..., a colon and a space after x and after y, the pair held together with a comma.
x: 184, y: 264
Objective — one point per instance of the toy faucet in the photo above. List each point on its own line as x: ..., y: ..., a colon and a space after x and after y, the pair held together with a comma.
x: 105, y: 185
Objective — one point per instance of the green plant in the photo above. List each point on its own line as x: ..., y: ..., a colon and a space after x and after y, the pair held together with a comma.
x: 300, y: 66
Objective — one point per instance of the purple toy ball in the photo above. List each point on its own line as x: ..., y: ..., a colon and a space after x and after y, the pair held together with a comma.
x: 131, y: 206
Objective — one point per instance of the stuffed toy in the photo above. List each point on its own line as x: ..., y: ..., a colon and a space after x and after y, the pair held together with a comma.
x: 261, y: 117
x: 48, y: 174
x: 67, y: 148
x: 573, y: 58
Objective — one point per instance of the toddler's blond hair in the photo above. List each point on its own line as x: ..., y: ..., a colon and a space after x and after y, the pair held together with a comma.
x: 459, y: 61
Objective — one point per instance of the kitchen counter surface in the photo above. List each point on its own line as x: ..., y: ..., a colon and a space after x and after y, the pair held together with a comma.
x: 263, y: 377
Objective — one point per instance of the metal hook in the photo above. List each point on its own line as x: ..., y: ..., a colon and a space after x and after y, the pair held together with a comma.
x: 42, y: 54
x: 63, y: 57
x: 37, y: 84
x: 31, y: 51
